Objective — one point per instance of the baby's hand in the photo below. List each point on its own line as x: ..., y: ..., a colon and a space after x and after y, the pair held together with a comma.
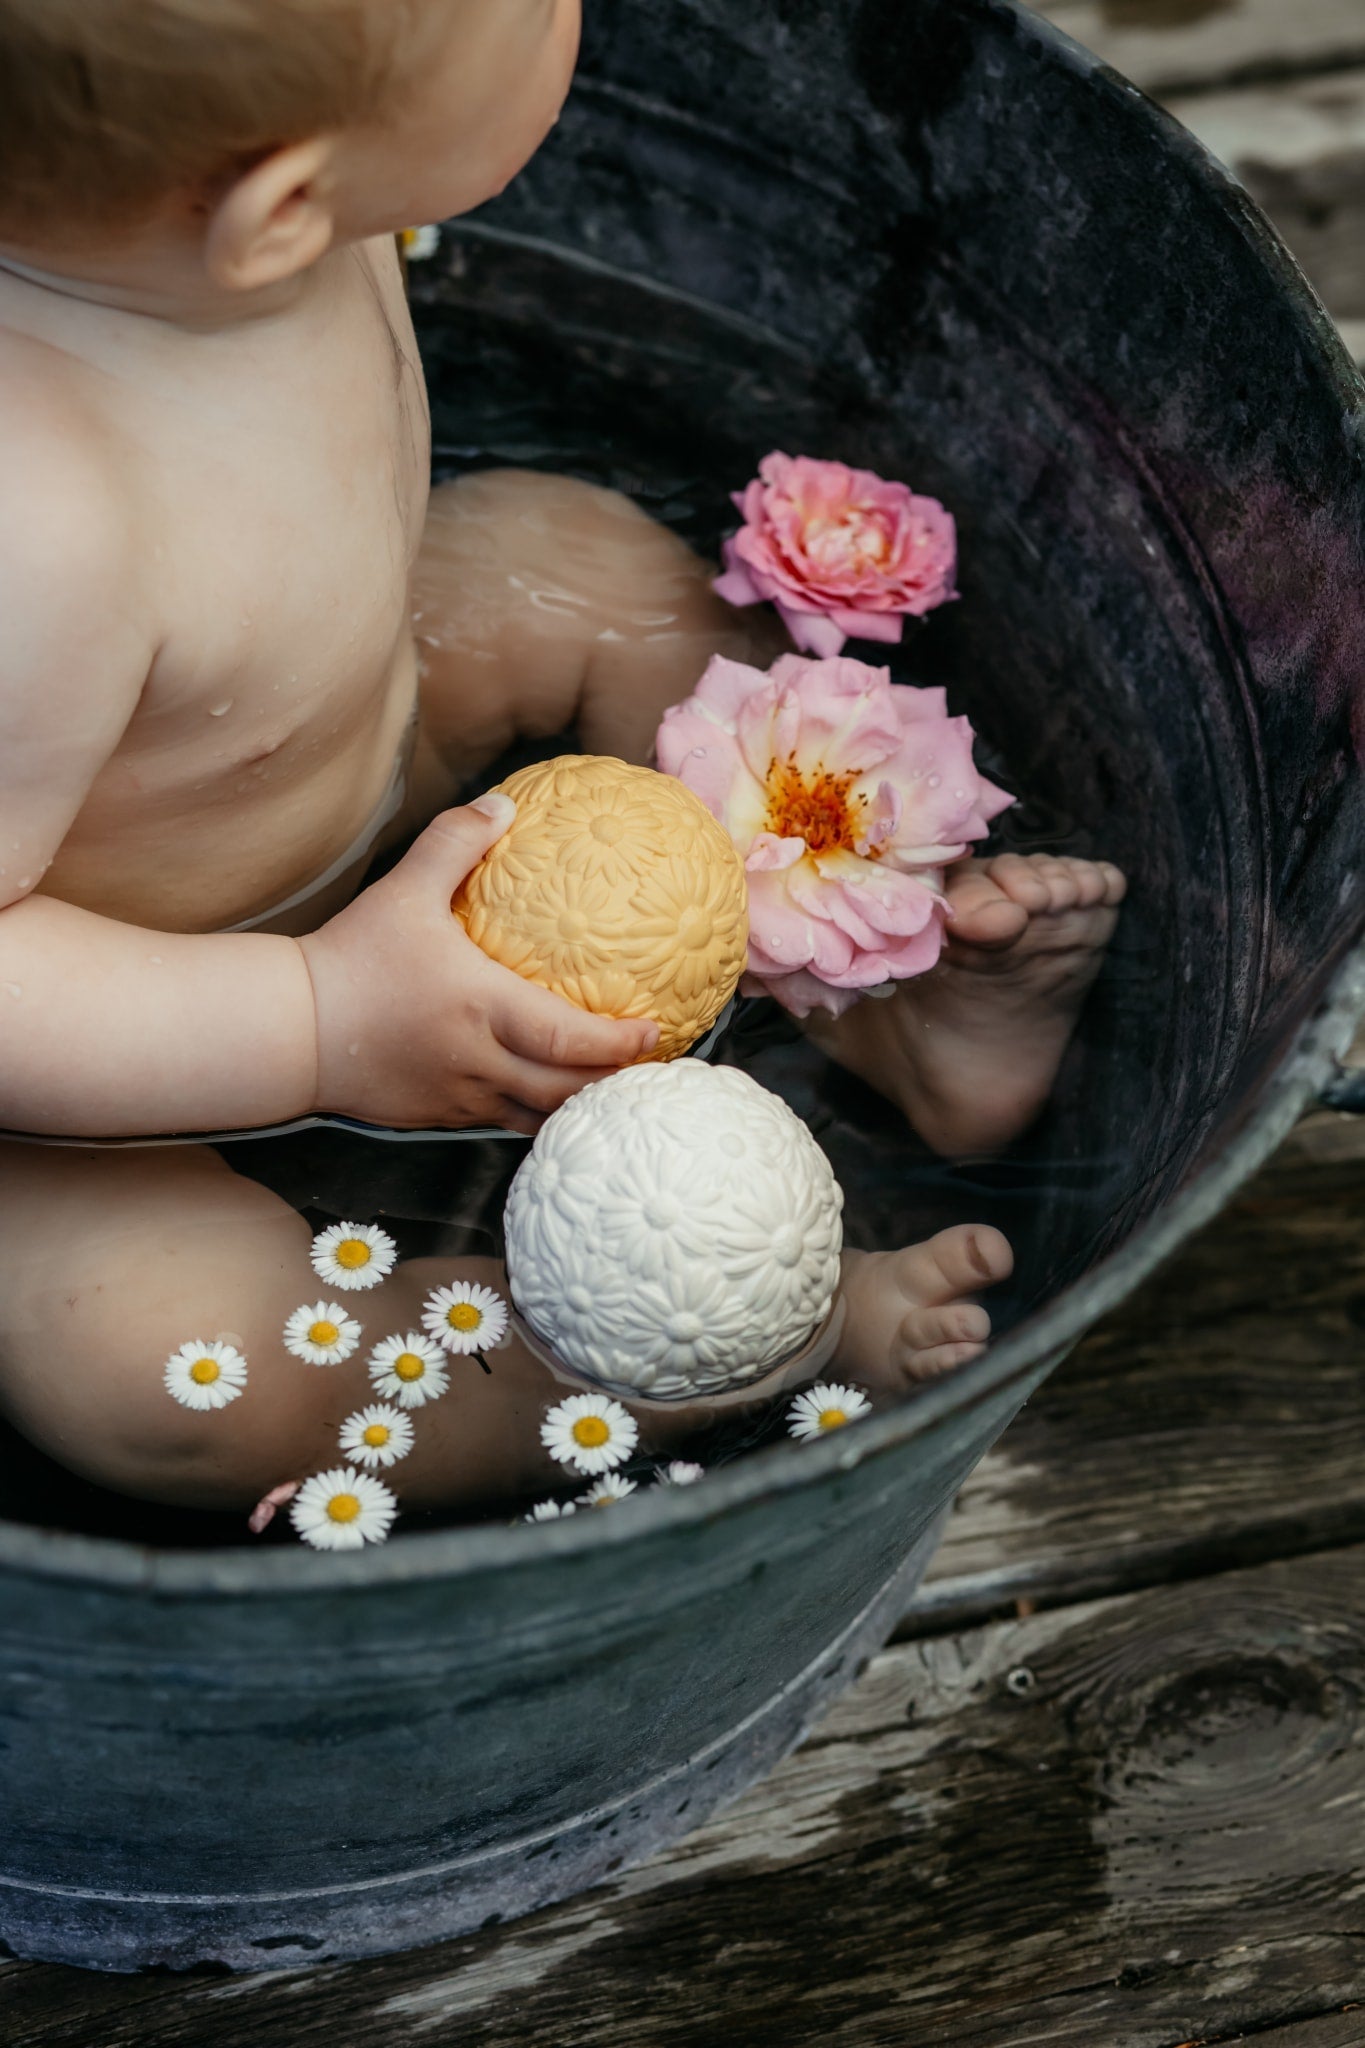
x: 416, y: 1026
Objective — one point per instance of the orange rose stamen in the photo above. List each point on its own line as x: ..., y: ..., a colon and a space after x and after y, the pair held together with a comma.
x: 818, y: 811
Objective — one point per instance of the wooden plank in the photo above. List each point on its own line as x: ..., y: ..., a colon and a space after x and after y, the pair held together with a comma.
x: 1170, y: 46
x: 1333, y: 2030
x: 1219, y: 1416
x: 1130, y: 1823
x: 1299, y: 149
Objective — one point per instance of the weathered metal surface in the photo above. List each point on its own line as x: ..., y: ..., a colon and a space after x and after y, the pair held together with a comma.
x: 935, y: 239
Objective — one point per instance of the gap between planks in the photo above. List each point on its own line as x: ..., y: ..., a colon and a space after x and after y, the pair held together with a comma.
x: 1130, y: 1824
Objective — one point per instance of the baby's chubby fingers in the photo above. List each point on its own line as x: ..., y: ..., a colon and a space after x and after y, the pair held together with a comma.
x: 542, y: 1028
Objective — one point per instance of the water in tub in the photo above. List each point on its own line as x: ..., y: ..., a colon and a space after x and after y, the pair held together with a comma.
x: 328, y: 1300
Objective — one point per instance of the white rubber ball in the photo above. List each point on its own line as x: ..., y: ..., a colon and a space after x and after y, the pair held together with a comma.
x: 674, y: 1232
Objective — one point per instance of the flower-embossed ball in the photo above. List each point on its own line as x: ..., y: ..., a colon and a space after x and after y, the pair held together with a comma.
x: 674, y: 1232
x: 614, y: 886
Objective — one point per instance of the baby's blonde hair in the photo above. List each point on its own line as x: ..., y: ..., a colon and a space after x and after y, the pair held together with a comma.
x: 108, y: 106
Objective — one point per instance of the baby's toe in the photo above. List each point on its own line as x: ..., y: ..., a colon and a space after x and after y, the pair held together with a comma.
x: 1020, y: 879
x: 1115, y: 883
x: 927, y: 1329
x: 957, y: 1262
x: 940, y: 1359
x: 983, y: 913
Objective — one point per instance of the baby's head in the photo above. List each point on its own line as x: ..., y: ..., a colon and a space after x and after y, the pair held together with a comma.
x: 266, y: 129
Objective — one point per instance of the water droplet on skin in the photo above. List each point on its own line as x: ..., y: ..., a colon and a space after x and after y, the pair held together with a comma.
x: 353, y: 1050
x: 221, y: 710
x: 154, y: 959
x: 24, y: 882
x: 14, y: 988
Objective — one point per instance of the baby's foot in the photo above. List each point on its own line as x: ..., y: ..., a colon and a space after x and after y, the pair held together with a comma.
x: 970, y: 1050
x: 910, y: 1315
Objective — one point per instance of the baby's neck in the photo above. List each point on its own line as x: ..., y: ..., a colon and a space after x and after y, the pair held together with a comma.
x: 155, y: 280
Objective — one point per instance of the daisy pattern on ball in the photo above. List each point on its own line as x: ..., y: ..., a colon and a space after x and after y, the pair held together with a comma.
x: 342, y: 1509
x: 378, y: 1435
x: 590, y: 1432
x: 410, y: 1370
x: 323, y: 1334
x: 465, y: 1317
x: 609, y: 1488
x: 682, y: 1472
x: 550, y: 1511
x: 825, y: 1406
x: 353, y: 1255
x: 205, y: 1376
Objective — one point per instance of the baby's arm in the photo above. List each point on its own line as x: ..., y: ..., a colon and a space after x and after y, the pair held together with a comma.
x: 107, y: 1029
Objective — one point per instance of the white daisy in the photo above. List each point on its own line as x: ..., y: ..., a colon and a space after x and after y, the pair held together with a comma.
x: 353, y: 1255
x: 550, y: 1510
x: 374, y: 1436
x: 342, y: 1509
x: 410, y: 1370
x: 465, y: 1317
x: 321, y: 1335
x: 205, y: 1375
x: 824, y: 1406
x: 679, y: 1473
x: 590, y: 1432
x: 420, y: 243
x: 609, y: 1488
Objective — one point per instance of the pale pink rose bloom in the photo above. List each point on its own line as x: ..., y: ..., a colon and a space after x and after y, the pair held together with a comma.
x: 839, y: 551
x: 847, y: 795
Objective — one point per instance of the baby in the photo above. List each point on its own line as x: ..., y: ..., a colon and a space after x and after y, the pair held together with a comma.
x: 216, y: 535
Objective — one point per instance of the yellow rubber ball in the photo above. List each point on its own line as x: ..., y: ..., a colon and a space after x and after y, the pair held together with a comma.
x: 614, y: 886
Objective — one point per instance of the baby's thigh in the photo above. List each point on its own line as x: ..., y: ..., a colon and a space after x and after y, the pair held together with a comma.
x: 114, y: 1260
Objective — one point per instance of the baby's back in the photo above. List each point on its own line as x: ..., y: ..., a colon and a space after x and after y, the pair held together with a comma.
x: 235, y: 514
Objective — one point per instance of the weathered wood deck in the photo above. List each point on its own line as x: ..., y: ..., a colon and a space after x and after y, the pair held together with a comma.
x: 1108, y: 1787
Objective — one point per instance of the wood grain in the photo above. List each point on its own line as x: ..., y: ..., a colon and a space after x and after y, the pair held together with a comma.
x: 1175, y: 46
x: 1299, y: 148
x: 1205, y: 1422
x: 1129, y: 1823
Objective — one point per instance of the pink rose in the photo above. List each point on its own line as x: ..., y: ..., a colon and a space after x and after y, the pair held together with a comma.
x: 848, y: 795
x: 838, y: 551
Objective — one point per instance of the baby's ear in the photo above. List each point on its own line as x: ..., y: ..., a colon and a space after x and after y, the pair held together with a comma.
x: 276, y: 220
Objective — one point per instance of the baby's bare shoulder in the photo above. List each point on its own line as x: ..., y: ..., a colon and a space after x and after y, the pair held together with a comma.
x: 67, y: 519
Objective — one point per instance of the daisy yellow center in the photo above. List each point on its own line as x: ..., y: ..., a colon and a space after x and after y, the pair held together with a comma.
x: 463, y: 1315
x: 323, y: 1333
x: 376, y: 1436
x: 409, y: 1366
x: 591, y: 1432
x: 205, y: 1371
x: 352, y: 1253
x: 815, y: 808
x: 343, y: 1507
x: 832, y: 1418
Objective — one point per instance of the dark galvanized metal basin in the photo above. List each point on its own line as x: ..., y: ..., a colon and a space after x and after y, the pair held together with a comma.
x: 931, y: 236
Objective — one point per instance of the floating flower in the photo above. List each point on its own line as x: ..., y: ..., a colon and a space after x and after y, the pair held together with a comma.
x: 847, y: 795
x: 550, y: 1510
x: 590, y: 1432
x: 418, y: 244
x: 375, y: 1436
x: 609, y: 1488
x: 267, y: 1507
x: 205, y: 1376
x: 410, y: 1370
x: 680, y: 1473
x: 839, y: 551
x: 465, y: 1317
x: 824, y: 1406
x: 321, y: 1335
x: 353, y: 1255
x: 343, y: 1510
